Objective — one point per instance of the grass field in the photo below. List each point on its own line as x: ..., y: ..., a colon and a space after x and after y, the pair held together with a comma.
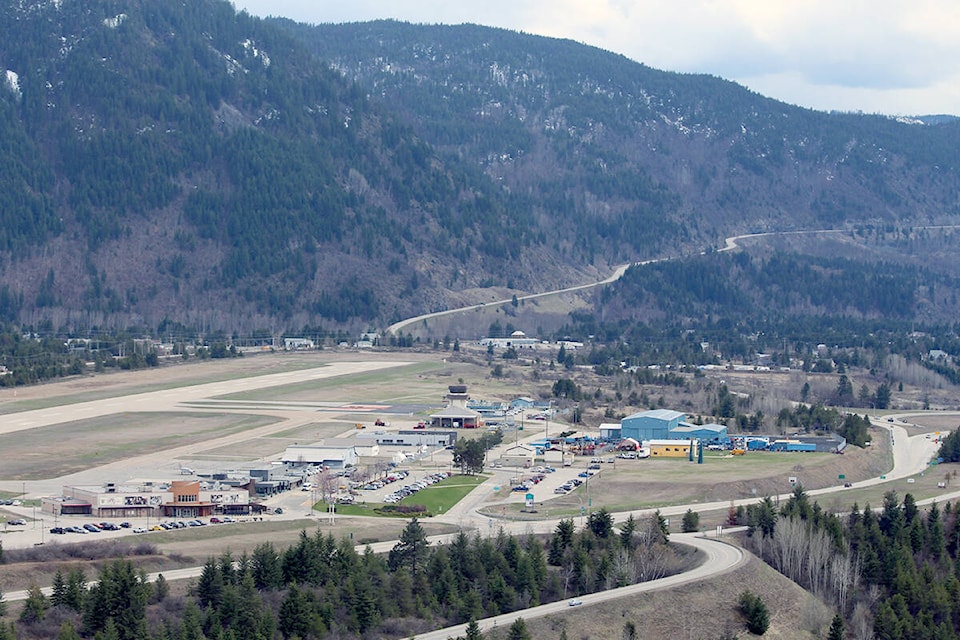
x: 40, y: 453
x: 114, y: 384
x: 436, y: 498
x: 399, y: 384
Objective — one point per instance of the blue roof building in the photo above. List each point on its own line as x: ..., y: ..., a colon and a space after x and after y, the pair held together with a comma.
x: 708, y: 433
x: 651, y: 425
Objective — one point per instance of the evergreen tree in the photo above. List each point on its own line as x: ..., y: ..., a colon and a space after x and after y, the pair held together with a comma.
x: 836, y: 629
x: 295, y: 615
x: 161, y: 588
x: 120, y: 595
x: 518, y: 631
x: 191, y: 626
x: 411, y: 550
x: 600, y: 523
x: 67, y: 632
x: 469, y: 455
x: 661, y: 528
x: 473, y: 631
x: 76, y: 589
x: 755, y: 612
x: 627, y: 531
x: 266, y: 567
x: 35, y: 606
x: 691, y: 521
x: 58, y: 596
x: 209, y: 589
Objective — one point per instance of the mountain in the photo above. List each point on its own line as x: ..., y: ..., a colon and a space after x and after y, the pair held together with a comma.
x: 168, y: 164
x: 604, y: 137
x: 176, y: 162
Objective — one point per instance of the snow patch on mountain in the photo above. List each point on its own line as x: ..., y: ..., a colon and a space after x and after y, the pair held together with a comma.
x: 12, y: 81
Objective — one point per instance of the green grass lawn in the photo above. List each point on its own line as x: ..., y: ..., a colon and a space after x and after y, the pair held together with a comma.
x: 439, y: 497
x: 436, y: 498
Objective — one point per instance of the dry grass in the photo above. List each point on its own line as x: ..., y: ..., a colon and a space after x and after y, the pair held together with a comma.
x: 696, y: 612
x: 40, y: 453
x: 183, y: 548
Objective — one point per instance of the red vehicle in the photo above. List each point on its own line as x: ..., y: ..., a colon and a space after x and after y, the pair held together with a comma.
x: 421, y: 425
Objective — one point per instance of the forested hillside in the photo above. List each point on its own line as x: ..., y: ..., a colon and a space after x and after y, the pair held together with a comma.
x: 649, y: 158
x: 177, y: 160
x: 166, y: 163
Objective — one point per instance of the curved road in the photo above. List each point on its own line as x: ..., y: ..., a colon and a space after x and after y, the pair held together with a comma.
x: 911, y: 455
x: 729, y: 244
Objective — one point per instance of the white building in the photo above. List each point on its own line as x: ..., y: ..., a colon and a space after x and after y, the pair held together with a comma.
x: 330, y: 456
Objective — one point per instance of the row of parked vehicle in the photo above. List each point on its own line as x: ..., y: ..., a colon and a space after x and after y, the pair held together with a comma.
x: 568, y: 486
x: 538, y: 477
x: 410, y: 489
x: 379, y: 484
x: 96, y: 527
x: 91, y: 527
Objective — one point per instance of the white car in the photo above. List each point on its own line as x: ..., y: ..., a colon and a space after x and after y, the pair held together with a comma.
x: 139, y: 530
x: 576, y: 602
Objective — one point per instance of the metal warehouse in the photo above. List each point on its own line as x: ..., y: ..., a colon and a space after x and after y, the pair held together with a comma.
x: 708, y: 433
x: 651, y: 425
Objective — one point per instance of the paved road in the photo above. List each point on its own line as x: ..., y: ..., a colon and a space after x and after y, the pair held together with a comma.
x: 616, y: 275
x: 171, y: 400
x: 911, y: 454
x: 721, y: 558
x: 730, y: 244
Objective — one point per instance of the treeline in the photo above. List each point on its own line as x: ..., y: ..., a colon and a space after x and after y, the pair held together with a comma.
x: 322, y: 587
x: 891, y: 573
x: 716, y: 307
x: 29, y: 358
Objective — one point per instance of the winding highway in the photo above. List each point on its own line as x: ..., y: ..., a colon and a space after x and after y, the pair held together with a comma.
x: 910, y: 455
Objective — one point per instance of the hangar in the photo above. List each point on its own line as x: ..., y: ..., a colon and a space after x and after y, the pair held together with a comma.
x: 708, y: 433
x: 330, y: 456
x: 651, y: 425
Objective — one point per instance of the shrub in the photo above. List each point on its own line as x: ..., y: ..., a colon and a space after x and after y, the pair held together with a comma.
x: 753, y: 609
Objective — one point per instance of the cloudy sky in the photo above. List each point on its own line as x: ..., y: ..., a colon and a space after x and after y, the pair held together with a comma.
x: 877, y: 56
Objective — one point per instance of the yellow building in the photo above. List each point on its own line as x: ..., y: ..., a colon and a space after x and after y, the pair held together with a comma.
x: 672, y: 448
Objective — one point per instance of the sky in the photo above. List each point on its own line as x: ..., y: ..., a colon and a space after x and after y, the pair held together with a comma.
x: 889, y: 57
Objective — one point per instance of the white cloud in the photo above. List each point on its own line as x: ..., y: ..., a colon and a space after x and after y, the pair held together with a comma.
x: 884, y: 56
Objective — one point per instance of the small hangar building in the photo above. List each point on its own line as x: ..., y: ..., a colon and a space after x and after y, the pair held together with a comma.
x: 708, y: 433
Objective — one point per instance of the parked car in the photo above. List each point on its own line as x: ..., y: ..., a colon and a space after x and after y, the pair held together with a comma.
x: 92, y: 528
x: 57, y: 530
x: 139, y: 530
x: 575, y: 602
x: 17, y: 522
